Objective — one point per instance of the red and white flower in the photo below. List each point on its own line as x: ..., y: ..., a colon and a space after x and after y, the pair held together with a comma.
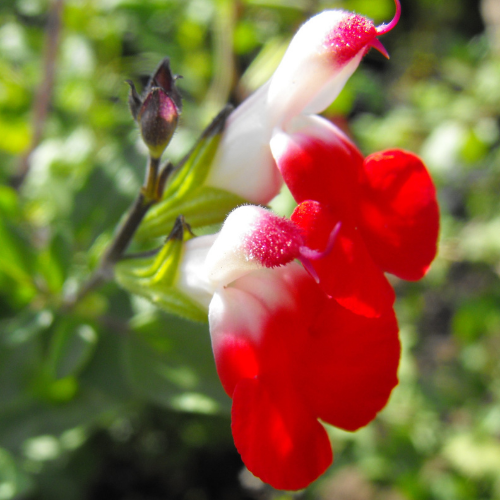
x: 286, y: 353
x: 295, y: 344
x: 321, y: 57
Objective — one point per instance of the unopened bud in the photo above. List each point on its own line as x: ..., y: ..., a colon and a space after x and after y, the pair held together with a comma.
x: 157, y: 112
x: 158, y: 119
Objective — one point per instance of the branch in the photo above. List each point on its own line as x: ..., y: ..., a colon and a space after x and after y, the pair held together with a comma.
x: 123, y: 236
x: 44, y: 94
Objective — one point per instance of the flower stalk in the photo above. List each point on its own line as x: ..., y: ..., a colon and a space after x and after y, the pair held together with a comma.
x: 157, y: 114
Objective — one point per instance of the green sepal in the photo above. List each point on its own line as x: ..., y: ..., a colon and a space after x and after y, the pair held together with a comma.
x: 203, y: 206
x: 155, y: 277
x: 187, y: 195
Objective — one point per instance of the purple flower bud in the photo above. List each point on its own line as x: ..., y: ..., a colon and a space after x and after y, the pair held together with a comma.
x: 157, y: 111
x: 157, y: 117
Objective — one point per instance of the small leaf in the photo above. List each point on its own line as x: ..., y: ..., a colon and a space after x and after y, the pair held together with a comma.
x: 154, y: 278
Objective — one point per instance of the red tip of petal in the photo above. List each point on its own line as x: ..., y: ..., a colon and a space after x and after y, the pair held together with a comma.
x: 377, y: 45
x: 353, y: 34
x: 399, y: 213
x: 278, y: 438
x: 274, y: 241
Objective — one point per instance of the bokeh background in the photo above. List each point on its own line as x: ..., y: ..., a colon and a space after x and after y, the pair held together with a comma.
x: 118, y: 400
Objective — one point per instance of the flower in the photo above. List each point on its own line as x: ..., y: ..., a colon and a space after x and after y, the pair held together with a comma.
x: 295, y: 345
x: 285, y: 352
x: 386, y: 205
x: 319, y: 60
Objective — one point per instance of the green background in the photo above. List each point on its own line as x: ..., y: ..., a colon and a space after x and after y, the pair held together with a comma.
x: 118, y: 400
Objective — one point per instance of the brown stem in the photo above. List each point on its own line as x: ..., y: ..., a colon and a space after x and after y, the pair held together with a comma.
x: 126, y: 232
x: 44, y: 94
x: 145, y: 199
x: 114, y: 252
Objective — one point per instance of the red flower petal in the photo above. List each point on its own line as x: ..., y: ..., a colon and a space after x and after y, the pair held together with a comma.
x: 277, y: 436
x: 347, y: 273
x: 351, y: 366
x: 258, y: 352
x: 320, y: 163
x: 399, y: 213
x: 291, y: 357
x: 254, y: 322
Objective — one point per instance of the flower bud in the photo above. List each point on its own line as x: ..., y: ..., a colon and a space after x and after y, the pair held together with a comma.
x: 157, y: 111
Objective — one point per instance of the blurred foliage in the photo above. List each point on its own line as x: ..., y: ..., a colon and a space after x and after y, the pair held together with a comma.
x: 115, y: 399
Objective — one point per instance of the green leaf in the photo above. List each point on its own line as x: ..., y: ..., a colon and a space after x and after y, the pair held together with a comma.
x: 15, y: 255
x: 52, y: 262
x: 170, y: 362
x: 203, y: 206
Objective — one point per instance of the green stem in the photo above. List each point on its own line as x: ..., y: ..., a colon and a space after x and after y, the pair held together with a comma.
x: 150, y: 184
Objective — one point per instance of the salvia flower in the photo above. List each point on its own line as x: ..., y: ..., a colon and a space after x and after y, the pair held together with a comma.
x: 285, y: 352
x: 319, y: 60
x: 157, y: 112
x: 298, y: 344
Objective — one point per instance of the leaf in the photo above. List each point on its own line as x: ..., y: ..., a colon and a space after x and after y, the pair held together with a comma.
x: 15, y: 255
x: 170, y: 362
x: 154, y: 278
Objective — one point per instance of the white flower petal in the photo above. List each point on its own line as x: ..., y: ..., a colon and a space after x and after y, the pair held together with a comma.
x: 227, y: 261
x: 193, y: 280
x: 244, y: 164
x: 243, y: 308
